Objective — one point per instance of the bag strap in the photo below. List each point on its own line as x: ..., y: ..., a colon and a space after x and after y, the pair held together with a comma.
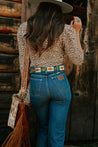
x: 24, y: 74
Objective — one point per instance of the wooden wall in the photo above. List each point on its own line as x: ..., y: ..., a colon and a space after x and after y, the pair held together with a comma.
x: 10, y: 19
x: 83, y: 113
x: 84, y: 107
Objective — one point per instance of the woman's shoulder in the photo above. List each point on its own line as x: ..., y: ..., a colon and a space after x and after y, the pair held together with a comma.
x: 68, y: 29
x: 22, y: 28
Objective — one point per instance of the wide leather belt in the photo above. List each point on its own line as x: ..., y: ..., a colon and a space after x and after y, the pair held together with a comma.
x: 47, y: 69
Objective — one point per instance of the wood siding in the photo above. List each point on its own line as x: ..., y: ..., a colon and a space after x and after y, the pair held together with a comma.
x: 10, y: 19
x: 8, y: 9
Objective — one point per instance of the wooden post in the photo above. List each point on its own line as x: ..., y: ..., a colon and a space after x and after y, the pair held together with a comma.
x: 25, y: 11
x: 93, y: 45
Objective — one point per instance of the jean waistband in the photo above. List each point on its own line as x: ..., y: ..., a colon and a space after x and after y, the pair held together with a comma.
x: 46, y: 70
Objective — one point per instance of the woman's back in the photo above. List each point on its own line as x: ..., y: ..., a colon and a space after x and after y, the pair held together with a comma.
x: 65, y: 44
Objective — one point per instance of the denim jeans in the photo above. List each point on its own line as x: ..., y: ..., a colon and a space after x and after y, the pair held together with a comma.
x: 50, y: 96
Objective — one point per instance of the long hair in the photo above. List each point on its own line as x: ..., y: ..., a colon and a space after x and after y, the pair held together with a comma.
x: 47, y: 22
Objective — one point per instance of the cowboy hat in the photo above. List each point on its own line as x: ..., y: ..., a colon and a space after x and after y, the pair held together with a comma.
x: 66, y: 8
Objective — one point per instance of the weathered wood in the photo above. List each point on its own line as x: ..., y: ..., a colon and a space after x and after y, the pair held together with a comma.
x: 24, y: 11
x: 96, y: 107
x: 10, y: 9
x: 9, y: 82
x: 8, y: 44
x: 83, y: 94
x: 4, y: 117
x: 83, y: 102
x: 4, y: 132
x: 93, y: 43
x: 5, y: 100
x: 5, y: 103
x: 82, y: 119
x: 83, y: 89
x: 80, y: 12
x: 9, y: 25
x: 77, y: 11
x: 9, y: 63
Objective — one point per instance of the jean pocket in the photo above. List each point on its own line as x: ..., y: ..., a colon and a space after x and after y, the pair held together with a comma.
x: 35, y: 86
x: 61, y: 87
x: 61, y: 82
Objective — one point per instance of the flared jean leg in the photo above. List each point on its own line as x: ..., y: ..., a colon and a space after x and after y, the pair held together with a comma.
x: 50, y: 96
x: 56, y: 132
x: 42, y: 114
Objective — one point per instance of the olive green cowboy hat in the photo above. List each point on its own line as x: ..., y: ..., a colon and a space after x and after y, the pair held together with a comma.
x: 66, y: 8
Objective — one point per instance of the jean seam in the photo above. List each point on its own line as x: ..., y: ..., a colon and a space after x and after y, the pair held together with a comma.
x: 47, y: 85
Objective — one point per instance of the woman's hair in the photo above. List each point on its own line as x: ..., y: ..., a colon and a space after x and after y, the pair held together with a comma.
x: 47, y: 22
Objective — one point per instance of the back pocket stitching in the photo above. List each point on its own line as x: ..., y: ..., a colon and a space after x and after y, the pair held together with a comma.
x: 58, y: 85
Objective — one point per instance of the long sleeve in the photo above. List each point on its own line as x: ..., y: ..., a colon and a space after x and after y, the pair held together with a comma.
x: 21, y: 46
x: 71, y: 45
x: 21, y: 43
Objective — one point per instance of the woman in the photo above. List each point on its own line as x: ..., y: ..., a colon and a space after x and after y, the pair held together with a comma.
x: 50, y: 39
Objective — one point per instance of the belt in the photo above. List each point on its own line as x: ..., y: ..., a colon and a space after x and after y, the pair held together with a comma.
x: 47, y: 69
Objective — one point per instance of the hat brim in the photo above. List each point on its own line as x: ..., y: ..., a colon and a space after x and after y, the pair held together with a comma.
x: 66, y: 8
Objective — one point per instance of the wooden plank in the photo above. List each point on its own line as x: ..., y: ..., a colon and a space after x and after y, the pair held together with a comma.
x: 9, y: 25
x: 9, y: 63
x: 93, y: 37
x: 96, y: 108
x: 9, y: 82
x: 77, y: 11
x: 4, y: 132
x: 4, y: 117
x: 5, y: 100
x: 83, y: 101
x: 10, y: 9
x: 5, y: 103
x: 80, y: 12
x: 8, y: 44
x: 81, y: 120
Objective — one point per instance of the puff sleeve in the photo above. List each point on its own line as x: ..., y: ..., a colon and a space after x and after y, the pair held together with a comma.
x: 21, y: 43
x: 71, y: 46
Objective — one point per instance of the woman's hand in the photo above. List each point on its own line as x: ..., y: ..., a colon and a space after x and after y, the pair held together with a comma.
x: 76, y: 23
x: 22, y: 94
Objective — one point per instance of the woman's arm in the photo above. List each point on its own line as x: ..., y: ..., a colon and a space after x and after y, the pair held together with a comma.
x: 21, y: 46
x: 71, y: 45
x: 77, y: 24
x: 21, y: 43
x: 78, y: 40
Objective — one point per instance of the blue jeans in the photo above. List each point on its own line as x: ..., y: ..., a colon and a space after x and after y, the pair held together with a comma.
x: 50, y: 96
